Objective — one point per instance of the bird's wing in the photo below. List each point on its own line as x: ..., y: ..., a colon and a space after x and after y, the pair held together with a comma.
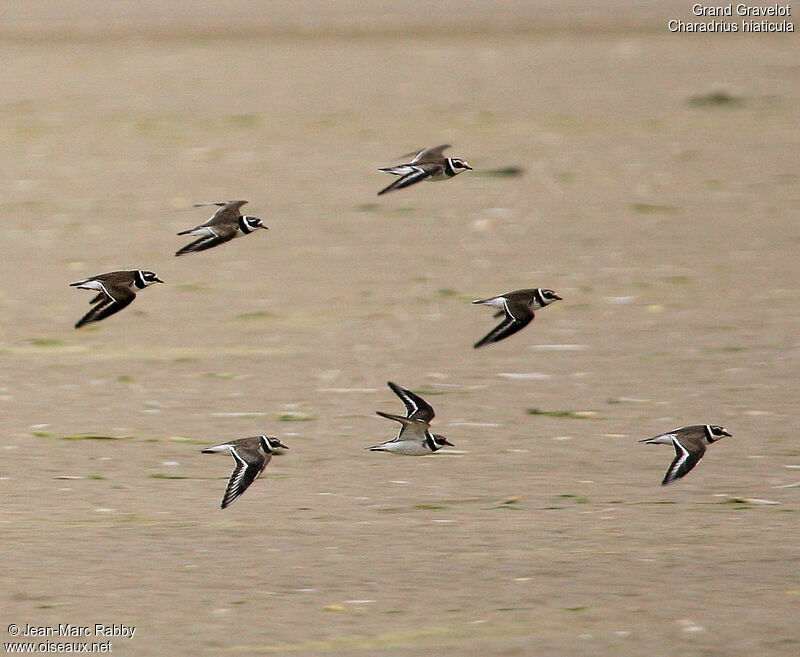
x: 407, y: 426
x: 417, y: 407
x: 517, y: 317
x: 228, y: 212
x: 417, y: 173
x: 683, y: 462
x: 222, y: 204
x: 397, y: 418
x: 111, y: 300
x: 249, y: 464
x: 430, y: 154
x: 219, y: 235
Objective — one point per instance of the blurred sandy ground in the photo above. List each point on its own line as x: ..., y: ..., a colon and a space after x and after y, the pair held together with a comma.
x: 669, y: 226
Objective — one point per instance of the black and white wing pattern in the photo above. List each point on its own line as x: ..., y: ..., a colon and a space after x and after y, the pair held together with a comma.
x: 110, y: 301
x: 410, y: 174
x: 416, y: 406
x: 210, y: 236
x: 683, y: 462
x: 517, y: 317
x: 250, y: 463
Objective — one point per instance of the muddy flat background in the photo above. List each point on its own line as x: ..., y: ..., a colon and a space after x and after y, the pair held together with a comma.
x: 666, y: 220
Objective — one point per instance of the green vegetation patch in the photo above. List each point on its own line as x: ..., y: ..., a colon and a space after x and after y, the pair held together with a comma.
x: 653, y: 208
x: 94, y: 436
x: 44, y: 342
x: 259, y: 314
x: 573, y: 415
x: 294, y: 416
x: 578, y: 499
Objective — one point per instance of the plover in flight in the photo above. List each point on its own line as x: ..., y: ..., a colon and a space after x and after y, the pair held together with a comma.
x: 251, y: 456
x: 690, y: 445
x: 518, y: 307
x: 117, y: 289
x: 226, y: 224
x: 427, y: 164
x: 415, y: 438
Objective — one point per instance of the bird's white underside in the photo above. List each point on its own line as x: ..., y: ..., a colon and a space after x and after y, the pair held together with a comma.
x: 408, y: 448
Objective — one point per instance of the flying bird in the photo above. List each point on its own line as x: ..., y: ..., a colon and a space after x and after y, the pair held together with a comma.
x: 251, y: 456
x: 516, y: 308
x: 427, y: 164
x: 117, y: 290
x: 690, y: 445
x: 226, y: 224
x: 415, y: 437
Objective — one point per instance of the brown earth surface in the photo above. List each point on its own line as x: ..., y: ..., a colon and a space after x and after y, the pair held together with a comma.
x: 659, y: 198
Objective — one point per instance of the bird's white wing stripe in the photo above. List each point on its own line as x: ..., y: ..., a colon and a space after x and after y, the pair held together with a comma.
x: 94, y: 284
x: 107, y: 293
x: 508, y: 311
x: 238, y: 474
x: 679, y: 463
x: 409, y: 402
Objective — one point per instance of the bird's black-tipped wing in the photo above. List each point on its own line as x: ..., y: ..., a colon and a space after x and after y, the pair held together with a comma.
x: 249, y: 464
x: 417, y: 174
x: 683, y: 462
x: 208, y: 241
x: 106, y: 305
x: 417, y: 407
x: 517, y: 317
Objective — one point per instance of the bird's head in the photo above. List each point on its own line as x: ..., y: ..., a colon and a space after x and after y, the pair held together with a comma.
x: 272, y: 445
x: 441, y: 441
x: 548, y: 296
x: 458, y: 165
x: 145, y: 278
x: 248, y: 223
x: 714, y: 432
